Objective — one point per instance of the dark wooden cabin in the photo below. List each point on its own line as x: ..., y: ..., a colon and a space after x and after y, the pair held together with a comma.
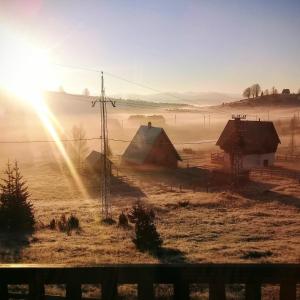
x: 256, y: 141
x: 151, y: 146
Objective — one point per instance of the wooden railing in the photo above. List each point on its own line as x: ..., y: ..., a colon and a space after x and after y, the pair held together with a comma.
x: 181, y: 276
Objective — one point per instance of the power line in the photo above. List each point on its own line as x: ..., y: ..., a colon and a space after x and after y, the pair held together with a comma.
x: 120, y: 78
x: 96, y: 138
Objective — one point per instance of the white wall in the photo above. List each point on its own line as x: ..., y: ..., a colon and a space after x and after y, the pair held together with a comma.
x: 251, y: 161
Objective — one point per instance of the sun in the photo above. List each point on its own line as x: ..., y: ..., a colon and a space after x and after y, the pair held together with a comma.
x: 25, y: 70
x: 26, y: 73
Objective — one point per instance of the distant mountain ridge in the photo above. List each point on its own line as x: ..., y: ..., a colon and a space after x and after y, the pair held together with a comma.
x: 193, y: 98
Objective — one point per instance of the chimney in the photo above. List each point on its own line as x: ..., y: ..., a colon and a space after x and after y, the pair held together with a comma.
x: 149, y: 124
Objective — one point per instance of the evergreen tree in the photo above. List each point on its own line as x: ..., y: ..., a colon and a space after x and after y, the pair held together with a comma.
x: 16, y: 211
x: 146, y: 235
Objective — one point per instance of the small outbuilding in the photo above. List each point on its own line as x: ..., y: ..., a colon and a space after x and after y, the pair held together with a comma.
x: 286, y: 91
x: 151, y: 146
x: 249, y: 144
x: 94, y: 162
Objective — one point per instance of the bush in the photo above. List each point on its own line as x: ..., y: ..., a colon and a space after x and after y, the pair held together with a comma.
x: 68, y: 224
x: 146, y: 235
x: 16, y: 211
x: 52, y: 224
x: 123, y: 220
x: 183, y: 203
x: 73, y: 222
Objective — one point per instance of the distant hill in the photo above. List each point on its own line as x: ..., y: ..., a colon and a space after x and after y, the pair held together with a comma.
x: 279, y: 100
x: 192, y: 98
x: 60, y: 102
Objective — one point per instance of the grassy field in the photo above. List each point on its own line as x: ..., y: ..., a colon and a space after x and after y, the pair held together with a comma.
x: 258, y: 223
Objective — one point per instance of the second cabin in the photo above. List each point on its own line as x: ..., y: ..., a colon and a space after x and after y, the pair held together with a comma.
x: 249, y: 144
x: 151, y: 146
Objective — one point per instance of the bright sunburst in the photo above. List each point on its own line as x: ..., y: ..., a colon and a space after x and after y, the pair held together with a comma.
x: 25, y: 69
x: 26, y: 73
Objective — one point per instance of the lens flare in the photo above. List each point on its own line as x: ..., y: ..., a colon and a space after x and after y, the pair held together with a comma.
x: 26, y: 73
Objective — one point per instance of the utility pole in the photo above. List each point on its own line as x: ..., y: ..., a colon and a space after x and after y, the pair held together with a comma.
x: 104, y: 161
x: 204, y: 120
x: 236, y: 152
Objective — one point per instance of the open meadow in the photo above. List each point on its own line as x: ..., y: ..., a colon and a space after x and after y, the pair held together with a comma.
x: 199, y: 218
x: 198, y: 221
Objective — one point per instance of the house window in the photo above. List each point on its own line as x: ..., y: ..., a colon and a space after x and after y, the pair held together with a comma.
x: 266, y: 163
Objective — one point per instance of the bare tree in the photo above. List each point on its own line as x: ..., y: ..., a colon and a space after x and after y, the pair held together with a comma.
x: 247, y: 92
x: 86, y: 92
x: 274, y: 91
x: 266, y: 92
x: 255, y: 90
x: 79, y: 147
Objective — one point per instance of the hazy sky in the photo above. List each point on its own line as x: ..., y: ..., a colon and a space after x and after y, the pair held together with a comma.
x: 178, y: 46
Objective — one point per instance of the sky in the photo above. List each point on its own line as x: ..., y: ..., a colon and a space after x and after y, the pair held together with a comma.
x: 168, y: 45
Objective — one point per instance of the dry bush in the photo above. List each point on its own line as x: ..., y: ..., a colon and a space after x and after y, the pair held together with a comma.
x: 65, y: 224
x: 123, y: 220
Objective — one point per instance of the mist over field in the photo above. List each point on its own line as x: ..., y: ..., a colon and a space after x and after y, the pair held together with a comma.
x: 150, y: 150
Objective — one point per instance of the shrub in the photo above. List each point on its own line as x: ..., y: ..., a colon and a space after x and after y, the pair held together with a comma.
x: 16, y: 211
x: 52, y: 224
x: 123, y: 220
x: 183, y: 203
x: 68, y: 224
x: 73, y: 222
x: 146, y: 235
x: 62, y: 223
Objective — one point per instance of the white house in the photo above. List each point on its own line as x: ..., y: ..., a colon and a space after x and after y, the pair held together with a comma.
x: 252, y: 143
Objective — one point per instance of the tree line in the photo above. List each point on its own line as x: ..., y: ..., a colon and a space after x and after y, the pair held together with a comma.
x: 255, y: 90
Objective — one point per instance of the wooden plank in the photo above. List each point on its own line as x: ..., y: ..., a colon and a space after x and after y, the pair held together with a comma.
x: 217, y: 291
x: 288, y: 290
x: 145, y: 290
x: 109, y: 290
x: 73, y: 291
x: 36, y: 291
x: 181, y: 291
x: 253, y: 291
x: 3, y: 291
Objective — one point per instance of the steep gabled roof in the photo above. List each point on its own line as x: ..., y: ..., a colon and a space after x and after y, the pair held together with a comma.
x: 251, y: 137
x: 143, y: 142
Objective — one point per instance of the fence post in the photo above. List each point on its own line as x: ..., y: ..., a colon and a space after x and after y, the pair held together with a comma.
x: 109, y: 290
x: 145, y: 290
x: 217, y: 291
x: 73, y: 291
x: 3, y: 291
x: 181, y: 290
x: 36, y: 291
x: 253, y: 291
x: 288, y: 291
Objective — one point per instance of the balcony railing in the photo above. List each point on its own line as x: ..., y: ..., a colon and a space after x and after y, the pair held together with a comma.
x: 181, y: 276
